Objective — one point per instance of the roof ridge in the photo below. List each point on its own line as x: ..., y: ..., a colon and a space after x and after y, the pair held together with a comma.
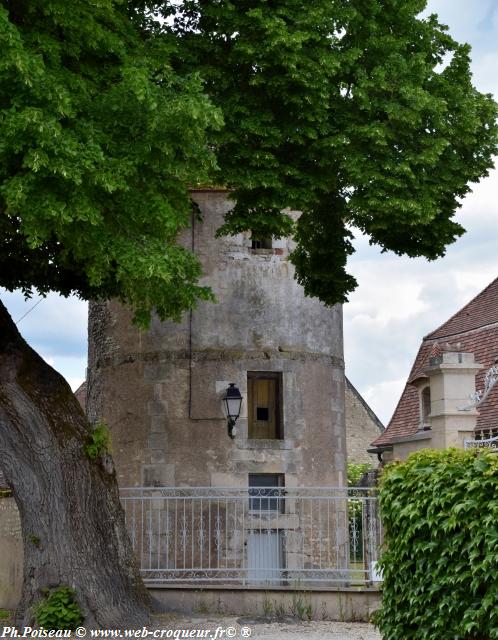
x: 384, y: 433
x: 368, y: 408
x: 373, y: 443
x: 460, y: 311
x: 427, y: 339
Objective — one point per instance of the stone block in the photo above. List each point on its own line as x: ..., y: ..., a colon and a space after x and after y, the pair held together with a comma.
x: 156, y: 441
x: 159, y: 475
x: 157, y: 408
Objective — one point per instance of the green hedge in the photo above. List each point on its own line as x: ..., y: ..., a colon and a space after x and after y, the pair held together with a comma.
x: 440, y: 516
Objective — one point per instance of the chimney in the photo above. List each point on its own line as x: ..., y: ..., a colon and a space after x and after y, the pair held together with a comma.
x: 452, y: 379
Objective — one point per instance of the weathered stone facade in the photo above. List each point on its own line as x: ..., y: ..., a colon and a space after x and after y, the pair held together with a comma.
x: 362, y: 426
x: 160, y: 391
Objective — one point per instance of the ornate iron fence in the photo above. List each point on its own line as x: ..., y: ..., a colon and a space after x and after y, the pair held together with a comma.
x: 258, y: 536
x: 485, y: 439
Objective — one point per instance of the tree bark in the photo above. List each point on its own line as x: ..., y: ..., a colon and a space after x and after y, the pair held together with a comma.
x: 72, y: 521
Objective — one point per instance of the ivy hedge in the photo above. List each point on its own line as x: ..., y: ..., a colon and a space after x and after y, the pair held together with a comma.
x: 440, y: 564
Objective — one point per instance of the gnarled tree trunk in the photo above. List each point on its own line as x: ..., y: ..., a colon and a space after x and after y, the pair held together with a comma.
x: 73, y: 525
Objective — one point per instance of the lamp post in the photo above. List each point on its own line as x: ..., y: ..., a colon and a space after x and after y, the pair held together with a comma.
x: 232, y: 401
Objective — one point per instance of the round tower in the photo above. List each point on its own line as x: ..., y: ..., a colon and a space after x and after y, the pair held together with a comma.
x: 161, y: 391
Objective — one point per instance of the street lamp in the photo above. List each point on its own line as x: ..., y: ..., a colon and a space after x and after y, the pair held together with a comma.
x: 233, y: 402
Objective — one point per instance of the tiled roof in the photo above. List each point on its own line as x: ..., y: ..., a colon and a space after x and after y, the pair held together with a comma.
x: 479, y: 312
x: 473, y: 329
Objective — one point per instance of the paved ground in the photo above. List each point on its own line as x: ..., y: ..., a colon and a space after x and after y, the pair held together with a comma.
x: 225, y: 627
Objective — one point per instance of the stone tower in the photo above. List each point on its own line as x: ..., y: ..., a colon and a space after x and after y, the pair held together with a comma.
x: 161, y: 391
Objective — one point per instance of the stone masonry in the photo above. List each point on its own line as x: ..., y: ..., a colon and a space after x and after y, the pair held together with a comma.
x: 160, y: 391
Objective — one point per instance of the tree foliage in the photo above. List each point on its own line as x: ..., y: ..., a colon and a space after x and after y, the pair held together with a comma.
x: 439, y: 514
x: 354, y: 113
x: 100, y: 138
x: 356, y: 470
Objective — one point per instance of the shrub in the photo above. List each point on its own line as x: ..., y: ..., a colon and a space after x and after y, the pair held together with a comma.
x: 440, y: 516
x: 59, y: 610
x: 356, y: 470
x: 99, y: 441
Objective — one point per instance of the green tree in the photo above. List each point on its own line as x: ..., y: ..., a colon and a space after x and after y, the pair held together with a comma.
x: 352, y: 112
x: 99, y: 140
x: 355, y: 113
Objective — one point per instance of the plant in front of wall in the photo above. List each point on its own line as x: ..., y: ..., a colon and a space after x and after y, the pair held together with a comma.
x: 201, y: 606
x: 58, y: 610
x: 267, y: 606
x: 440, y: 575
x: 355, y: 472
x: 34, y: 539
x: 280, y: 609
x: 99, y: 441
x: 301, y: 608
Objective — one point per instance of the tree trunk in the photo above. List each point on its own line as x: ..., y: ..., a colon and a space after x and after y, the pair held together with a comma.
x: 72, y: 522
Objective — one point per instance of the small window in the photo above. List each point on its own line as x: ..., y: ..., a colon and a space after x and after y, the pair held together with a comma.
x: 262, y: 414
x: 266, y: 491
x: 264, y: 405
x: 425, y: 402
x: 261, y: 243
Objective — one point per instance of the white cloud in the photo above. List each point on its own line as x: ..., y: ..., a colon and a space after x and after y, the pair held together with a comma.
x: 379, y: 395
x: 467, y: 21
x: 399, y: 300
x: 56, y: 328
x: 484, y: 70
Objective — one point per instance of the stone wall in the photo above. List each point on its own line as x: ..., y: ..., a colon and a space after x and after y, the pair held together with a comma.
x: 160, y: 391
x: 11, y: 554
x: 362, y: 427
x: 341, y: 604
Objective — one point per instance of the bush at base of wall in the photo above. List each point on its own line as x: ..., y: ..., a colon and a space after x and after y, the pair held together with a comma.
x: 440, y: 515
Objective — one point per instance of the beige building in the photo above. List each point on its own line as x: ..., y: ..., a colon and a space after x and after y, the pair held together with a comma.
x: 362, y: 426
x: 269, y: 506
x: 161, y: 392
x: 450, y: 399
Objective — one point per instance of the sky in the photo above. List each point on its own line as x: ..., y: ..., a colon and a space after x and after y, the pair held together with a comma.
x: 398, y: 300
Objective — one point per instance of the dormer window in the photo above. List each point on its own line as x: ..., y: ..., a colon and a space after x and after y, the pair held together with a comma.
x: 425, y: 408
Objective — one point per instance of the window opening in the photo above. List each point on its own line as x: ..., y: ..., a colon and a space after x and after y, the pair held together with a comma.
x: 264, y: 405
x: 426, y: 407
x: 266, y: 491
x: 261, y: 243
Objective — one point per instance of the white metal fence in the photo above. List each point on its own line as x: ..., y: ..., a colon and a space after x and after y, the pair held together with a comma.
x: 484, y: 439
x: 257, y: 536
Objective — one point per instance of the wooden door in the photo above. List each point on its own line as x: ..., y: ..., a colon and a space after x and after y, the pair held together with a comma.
x: 262, y: 397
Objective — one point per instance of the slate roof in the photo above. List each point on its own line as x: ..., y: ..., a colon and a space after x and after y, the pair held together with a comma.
x: 473, y: 329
